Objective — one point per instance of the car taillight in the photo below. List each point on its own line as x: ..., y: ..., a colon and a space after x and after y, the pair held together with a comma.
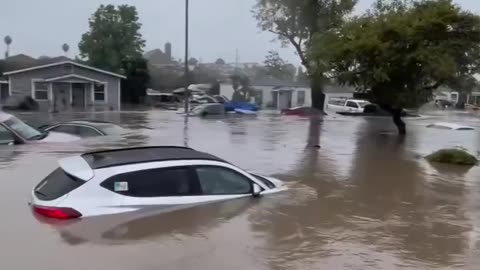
x: 57, y: 212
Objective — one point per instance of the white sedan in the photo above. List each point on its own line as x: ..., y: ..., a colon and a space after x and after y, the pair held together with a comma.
x: 126, y: 180
x: 15, y: 131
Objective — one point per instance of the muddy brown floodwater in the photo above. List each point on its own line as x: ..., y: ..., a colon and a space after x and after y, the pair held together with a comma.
x: 365, y: 200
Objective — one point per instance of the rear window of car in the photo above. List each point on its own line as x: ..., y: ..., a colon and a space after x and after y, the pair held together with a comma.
x: 57, y: 184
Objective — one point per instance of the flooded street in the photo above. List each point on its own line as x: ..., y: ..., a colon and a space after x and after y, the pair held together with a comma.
x: 365, y: 200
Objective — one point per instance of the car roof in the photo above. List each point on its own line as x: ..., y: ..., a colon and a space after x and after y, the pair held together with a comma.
x: 98, y: 124
x: 87, y: 122
x: 92, y: 123
x: 127, y: 156
x: 358, y: 100
x: 450, y: 126
x: 5, y: 116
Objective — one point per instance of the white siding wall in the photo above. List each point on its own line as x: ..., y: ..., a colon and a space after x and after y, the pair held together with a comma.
x: 227, y: 90
x: 329, y: 96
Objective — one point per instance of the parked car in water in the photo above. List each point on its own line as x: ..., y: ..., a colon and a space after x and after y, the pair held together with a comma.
x: 208, y: 109
x: 347, y: 105
x: 15, y: 131
x: 126, y: 180
x: 301, y: 111
x: 85, y: 128
x: 450, y: 126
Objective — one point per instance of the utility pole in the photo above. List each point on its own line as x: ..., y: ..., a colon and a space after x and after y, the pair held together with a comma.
x: 236, y: 59
x: 187, y: 77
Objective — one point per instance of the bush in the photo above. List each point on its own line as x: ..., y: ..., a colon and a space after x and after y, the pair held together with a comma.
x: 22, y: 103
x: 453, y: 156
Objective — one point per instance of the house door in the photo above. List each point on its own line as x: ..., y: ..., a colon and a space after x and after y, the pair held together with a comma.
x: 285, y: 100
x: 60, y: 96
x: 4, y: 94
x: 275, y: 100
x: 78, y: 95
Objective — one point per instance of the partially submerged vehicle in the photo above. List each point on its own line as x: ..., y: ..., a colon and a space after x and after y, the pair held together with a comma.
x: 209, y: 109
x: 15, y: 131
x: 374, y: 110
x: 450, y: 126
x: 301, y: 111
x: 347, y: 105
x: 126, y: 180
x: 85, y: 128
x: 232, y: 106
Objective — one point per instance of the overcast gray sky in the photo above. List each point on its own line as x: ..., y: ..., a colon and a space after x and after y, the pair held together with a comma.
x: 218, y: 27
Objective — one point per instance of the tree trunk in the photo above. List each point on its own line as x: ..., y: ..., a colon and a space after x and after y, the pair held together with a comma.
x: 318, y: 97
x: 397, y: 119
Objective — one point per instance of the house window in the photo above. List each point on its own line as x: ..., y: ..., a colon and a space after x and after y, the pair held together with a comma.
x: 300, y: 98
x: 99, y: 92
x: 40, y: 90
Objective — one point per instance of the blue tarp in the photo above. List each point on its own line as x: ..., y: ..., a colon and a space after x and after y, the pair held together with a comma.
x: 231, y: 106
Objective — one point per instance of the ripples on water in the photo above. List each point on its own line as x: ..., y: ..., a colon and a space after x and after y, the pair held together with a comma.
x: 366, y: 199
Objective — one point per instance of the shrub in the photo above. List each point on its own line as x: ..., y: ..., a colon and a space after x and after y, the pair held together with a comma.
x: 453, y: 156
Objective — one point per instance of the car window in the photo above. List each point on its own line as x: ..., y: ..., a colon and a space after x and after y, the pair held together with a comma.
x: 362, y: 104
x: 6, y: 137
x: 164, y: 182
x: 57, y: 184
x: 25, y: 131
x: 109, y: 129
x: 87, y: 132
x: 64, y: 129
x: 222, y: 181
x: 352, y: 104
x: 76, y: 130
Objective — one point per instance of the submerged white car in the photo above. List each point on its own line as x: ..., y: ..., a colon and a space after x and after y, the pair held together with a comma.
x: 125, y: 180
x: 450, y: 126
x: 15, y: 131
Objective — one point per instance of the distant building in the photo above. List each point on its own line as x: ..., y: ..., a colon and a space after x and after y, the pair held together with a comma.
x: 277, y: 94
x: 159, y: 58
x: 227, y: 70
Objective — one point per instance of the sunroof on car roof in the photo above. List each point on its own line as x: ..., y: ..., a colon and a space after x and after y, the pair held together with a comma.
x: 110, y: 158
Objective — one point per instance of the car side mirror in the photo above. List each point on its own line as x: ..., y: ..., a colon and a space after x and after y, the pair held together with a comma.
x: 7, y: 141
x: 257, y: 190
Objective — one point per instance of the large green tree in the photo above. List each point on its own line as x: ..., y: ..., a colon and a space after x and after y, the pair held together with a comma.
x: 138, y: 78
x: 296, y: 22
x: 113, y: 38
x: 399, y: 52
x: 114, y: 43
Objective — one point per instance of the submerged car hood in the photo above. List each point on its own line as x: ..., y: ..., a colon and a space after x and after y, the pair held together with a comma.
x: 60, y: 137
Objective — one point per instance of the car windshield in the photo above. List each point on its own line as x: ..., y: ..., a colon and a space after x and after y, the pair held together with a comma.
x: 198, y: 109
x: 110, y: 129
x: 24, y: 130
x: 362, y: 104
x: 264, y: 180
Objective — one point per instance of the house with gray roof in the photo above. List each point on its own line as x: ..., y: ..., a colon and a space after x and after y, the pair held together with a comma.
x: 65, y: 85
